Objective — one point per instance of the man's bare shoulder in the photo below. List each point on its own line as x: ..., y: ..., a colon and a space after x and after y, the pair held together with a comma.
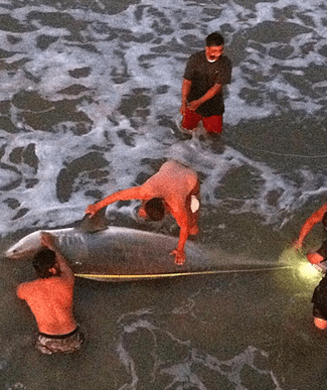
x: 38, y: 285
x: 27, y: 288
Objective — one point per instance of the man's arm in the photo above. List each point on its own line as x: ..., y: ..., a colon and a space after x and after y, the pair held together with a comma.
x: 182, y: 220
x: 179, y: 252
x: 195, y: 104
x: 48, y: 241
x: 128, y: 194
x: 316, y: 217
x: 186, y: 87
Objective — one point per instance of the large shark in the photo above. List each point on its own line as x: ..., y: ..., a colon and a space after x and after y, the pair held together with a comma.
x: 121, y: 254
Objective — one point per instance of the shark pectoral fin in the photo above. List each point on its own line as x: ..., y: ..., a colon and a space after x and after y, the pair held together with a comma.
x: 93, y: 224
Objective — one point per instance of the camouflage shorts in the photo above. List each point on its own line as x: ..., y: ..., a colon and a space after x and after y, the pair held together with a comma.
x: 68, y: 343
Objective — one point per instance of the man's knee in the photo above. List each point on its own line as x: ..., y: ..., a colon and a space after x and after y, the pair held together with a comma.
x: 320, y: 323
x: 314, y: 257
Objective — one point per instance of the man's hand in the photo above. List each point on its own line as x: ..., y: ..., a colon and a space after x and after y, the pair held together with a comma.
x: 91, y: 209
x: 47, y: 240
x: 194, y: 105
x: 179, y: 256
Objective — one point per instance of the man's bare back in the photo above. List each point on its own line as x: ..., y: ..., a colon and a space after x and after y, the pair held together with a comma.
x: 174, y: 183
x: 50, y: 299
x: 51, y: 302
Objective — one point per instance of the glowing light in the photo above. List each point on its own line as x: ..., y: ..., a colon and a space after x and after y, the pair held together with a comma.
x: 308, y: 271
x: 301, y: 266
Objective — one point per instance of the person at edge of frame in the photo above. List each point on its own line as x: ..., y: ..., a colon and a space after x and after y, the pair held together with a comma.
x: 50, y: 298
x: 205, y: 75
x: 174, y: 190
x: 319, y: 298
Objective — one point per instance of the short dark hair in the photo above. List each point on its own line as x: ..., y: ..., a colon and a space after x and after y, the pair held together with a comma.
x: 43, y: 261
x: 214, y: 39
x: 155, y: 208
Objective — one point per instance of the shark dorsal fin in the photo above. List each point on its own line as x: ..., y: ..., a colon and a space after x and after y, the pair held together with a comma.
x: 93, y: 224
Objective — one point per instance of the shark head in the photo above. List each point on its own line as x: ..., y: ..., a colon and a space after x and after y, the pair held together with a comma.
x: 25, y: 248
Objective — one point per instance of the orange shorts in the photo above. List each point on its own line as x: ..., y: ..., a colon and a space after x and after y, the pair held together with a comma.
x: 212, y: 124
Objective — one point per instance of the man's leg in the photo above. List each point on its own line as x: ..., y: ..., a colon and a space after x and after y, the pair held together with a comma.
x: 319, y: 300
x: 213, y: 124
x: 190, y: 120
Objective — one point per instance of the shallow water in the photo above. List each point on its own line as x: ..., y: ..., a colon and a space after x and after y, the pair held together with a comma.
x: 89, y: 101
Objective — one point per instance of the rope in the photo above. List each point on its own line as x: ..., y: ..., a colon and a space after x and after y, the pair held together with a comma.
x: 174, y: 274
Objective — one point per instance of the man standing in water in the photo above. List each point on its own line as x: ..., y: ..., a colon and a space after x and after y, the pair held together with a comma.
x: 173, y: 190
x: 202, y: 90
x: 319, y: 298
x: 50, y: 299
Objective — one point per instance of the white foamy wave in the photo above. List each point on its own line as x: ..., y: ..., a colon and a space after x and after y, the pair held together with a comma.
x: 82, y: 80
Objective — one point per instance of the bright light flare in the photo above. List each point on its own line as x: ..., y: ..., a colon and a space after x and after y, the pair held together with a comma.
x: 301, y: 266
x: 308, y: 271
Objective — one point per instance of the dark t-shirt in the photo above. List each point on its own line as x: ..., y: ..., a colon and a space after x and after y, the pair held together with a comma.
x: 204, y: 75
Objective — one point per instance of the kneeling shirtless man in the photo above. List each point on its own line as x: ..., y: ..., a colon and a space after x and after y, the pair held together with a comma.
x: 319, y: 298
x: 50, y: 299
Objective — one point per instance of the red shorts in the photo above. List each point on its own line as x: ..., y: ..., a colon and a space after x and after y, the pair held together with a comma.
x: 213, y: 124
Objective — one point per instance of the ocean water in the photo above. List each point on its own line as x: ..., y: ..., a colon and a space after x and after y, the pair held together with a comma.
x: 89, y: 104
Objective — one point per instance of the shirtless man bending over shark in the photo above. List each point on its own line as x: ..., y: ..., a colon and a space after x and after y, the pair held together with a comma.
x: 174, y: 189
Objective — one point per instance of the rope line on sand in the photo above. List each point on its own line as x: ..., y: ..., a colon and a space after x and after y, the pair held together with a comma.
x: 174, y: 274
